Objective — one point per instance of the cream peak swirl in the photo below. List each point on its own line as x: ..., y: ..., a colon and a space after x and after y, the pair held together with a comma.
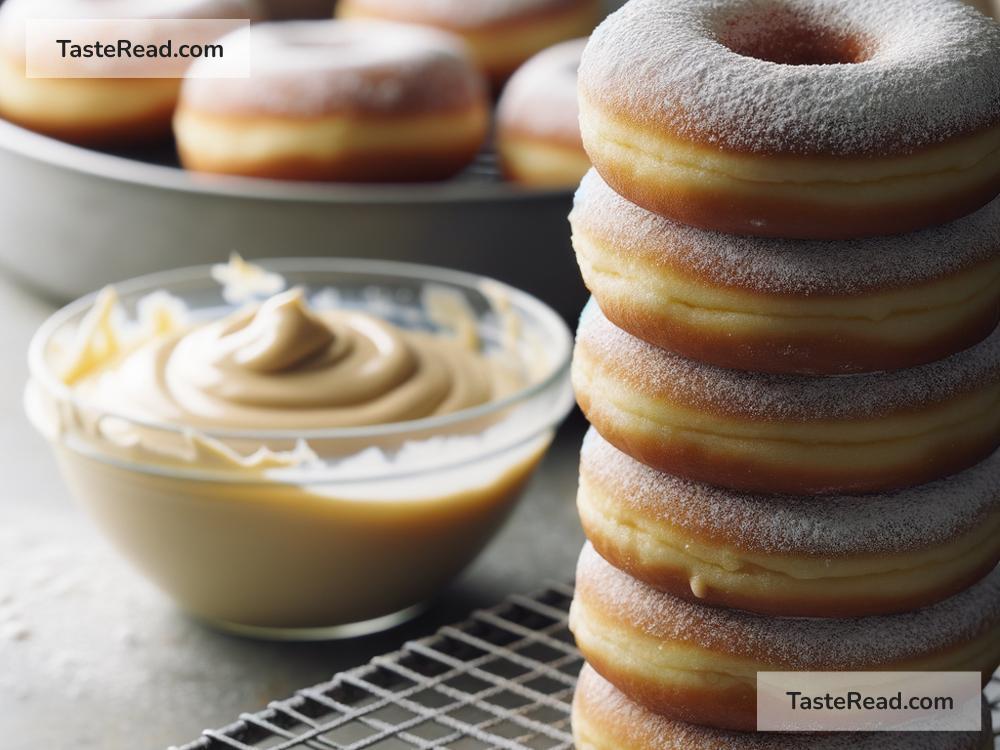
x: 279, y: 335
x: 281, y: 365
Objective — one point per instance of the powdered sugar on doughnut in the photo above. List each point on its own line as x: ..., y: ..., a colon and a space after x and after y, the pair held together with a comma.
x: 915, y: 518
x: 928, y: 74
x: 769, y: 397
x: 791, y: 642
x: 314, y: 68
x: 792, y: 267
x: 540, y: 98
x: 465, y: 14
x: 600, y: 700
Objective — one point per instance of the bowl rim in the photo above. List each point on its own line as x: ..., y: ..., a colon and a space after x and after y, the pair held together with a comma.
x: 122, y: 169
x: 560, y: 335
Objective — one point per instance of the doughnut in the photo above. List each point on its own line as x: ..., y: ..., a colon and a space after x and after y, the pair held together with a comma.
x: 538, y: 121
x: 604, y: 719
x: 96, y: 111
x: 699, y: 664
x: 787, y: 556
x: 787, y: 434
x: 808, y: 119
x: 501, y: 34
x: 795, y: 306
x: 358, y: 101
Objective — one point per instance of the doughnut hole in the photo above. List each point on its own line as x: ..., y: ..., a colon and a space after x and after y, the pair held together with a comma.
x: 777, y: 33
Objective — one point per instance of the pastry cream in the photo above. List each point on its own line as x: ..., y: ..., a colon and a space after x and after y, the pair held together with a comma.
x: 279, y: 365
x: 295, y: 468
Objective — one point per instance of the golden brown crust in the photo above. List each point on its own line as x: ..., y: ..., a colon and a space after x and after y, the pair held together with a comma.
x: 607, y: 354
x: 605, y: 719
x: 387, y: 166
x: 689, y: 460
x: 564, y: 138
x: 543, y: 163
x: 796, y: 556
x: 405, y: 149
x: 697, y: 663
x: 609, y: 597
x: 804, y: 354
x: 733, y: 707
x: 702, y: 207
x: 151, y: 127
x: 787, y: 434
x: 772, y: 305
x: 677, y: 581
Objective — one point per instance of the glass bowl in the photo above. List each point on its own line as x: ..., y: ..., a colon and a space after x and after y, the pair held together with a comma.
x: 354, y: 540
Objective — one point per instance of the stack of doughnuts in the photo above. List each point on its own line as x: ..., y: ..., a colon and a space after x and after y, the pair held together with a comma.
x: 791, y: 360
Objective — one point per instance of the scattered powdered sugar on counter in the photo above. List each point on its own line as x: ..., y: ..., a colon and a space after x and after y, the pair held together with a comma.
x: 662, y: 374
x: 795, y: 643
x: 792, y: 267
x: 895, y: 522
x: 84, y: 639
x: 931, y: 74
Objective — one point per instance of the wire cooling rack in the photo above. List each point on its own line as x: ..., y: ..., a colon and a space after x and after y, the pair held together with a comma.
x: 502, y: 680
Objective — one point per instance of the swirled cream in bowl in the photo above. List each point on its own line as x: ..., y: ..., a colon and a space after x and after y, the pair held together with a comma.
x: 311, y: 450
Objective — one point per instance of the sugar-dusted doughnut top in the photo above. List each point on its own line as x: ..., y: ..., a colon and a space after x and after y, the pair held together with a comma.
x: 804, y: 644
x: 599, y: 700
x: 540, y: 98
x: 786, y: 267
x: 911, y: 519
x: 316, y: 68
x: 464, y: 15
x: 865, y: 77
x: 661, y: 374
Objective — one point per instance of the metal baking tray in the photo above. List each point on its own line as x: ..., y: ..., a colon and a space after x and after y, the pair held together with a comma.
x: 75, y: 219
x: 501, y: 680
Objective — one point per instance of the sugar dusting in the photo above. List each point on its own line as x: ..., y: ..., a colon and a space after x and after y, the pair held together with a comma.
x: 772, y: 397
x: 312, y: 68
x: 795, y: 643
x: 84, y: 639
x: 915, y: 518
x: 931, y: 75
x: 792, y: 267
x: 605, y: 700
x: 540, y: 98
